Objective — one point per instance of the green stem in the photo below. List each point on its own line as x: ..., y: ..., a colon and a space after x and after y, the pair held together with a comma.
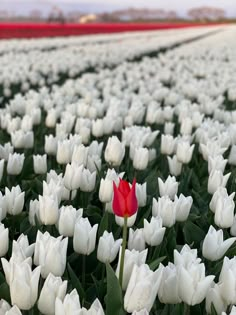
x: 123, y: 251
x: 83, y: 271
x: 186, y: 309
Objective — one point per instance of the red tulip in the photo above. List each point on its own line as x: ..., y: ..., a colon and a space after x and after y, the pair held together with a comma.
x: 124, y: 202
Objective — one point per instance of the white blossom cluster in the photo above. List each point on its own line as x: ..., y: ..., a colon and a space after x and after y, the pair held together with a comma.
x: 85, y: 135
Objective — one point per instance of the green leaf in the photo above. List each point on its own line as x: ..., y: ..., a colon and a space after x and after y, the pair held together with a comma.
x: 193, y: 233
x: 213, y: 310
x: 154, y: 264
x: 5, y: 292
x: 114, y: 298
x: 103, y: 226
x: 76, y: 282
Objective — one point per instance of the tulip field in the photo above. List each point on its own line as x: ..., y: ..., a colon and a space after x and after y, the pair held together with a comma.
x: 117, y: 174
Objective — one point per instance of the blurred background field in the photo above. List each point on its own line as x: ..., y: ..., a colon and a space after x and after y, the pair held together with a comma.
x: 42, y: 18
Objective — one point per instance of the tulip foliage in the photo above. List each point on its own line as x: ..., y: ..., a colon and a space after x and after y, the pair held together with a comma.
x: 117, y: 174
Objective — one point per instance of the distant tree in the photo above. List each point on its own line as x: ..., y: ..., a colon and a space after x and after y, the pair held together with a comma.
x: 36, y: 15
x: 206, y: 13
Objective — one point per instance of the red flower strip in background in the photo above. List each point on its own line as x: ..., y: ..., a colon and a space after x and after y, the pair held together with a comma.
x: 125, y: 203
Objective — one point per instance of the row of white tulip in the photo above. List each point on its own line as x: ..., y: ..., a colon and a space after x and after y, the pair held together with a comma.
x: 169, y: 108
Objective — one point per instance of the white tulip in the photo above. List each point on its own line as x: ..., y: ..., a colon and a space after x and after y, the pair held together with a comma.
x: 153, y: 231
x: 175, y: 166
x: 70, y: 305
x: 131, y: 259
x: 227, y: 280
x: 182, y: 206
x: 4, y: 240
x: 15, y: 163
x: 108, y: 248
x: 73, y: 176
x: 50, y: 254
x: 214, y: 247
x: 40, y: 164
x: 196, y: 284
x: 14, y: 200
x: 168, y: 292
x: 53, y: 288
x: 67, y: 218
x: 165, y: 209
x: 184, y: 152
x: 169, y: 187
x: 136, y: 240
x: 141, y: 158
x: 115, y: 151
x: 215, y: 298
x: 24, y: 285
x: 216, y: 179
x: 142, y: 288
x: 48, y: 210
x: 84, y: 236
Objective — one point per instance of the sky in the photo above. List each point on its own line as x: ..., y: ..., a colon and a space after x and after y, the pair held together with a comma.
x: 180, y: 6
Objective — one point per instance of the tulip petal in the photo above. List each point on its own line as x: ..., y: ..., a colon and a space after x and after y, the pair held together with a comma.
x: 118, y: 202
x: 124, y: 187
x: 131, y: 201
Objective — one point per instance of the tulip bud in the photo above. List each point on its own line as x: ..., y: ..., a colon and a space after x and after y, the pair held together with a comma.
x: 34, y: 212
x: 142, y: 312
x: 227, y: 280
x: 13, y: 311
x: 142, y: 288
x: 64, y: 152
x: 196, y: 283
x: 48, y: 210
x: 21, y: 250
x: 4, y: 307
x: 53, y: 288
x: 40, y: 164
x: 84, y: 236
x: 88, y: 180
x: 175, y: 166
x: 4, y: 240
x: 106, y: 185
x: 165, y: 209
x: 215, y: 298
x: 136, y: 240
x: 141, y: 158
x: 141, y: 193
x: 215, y: 180
x: 132, y: 258
x: 15, y: 163
x: 73, y: 176
x: 14, y: 200
x: 168, y: 292
x: 216, y: 163
x: 167, y: 144
x: 186, y: 126
x: 115, y: 151
x: 169, y: 187
x: 70, y: 305
x: 169, y: 128
x: 80, y: 155
x: 214, y: 247
x: 232, y: 155
x: 50, y: 254
x: 182, y: 207
x: 67, y: 218
x: 108, y: 248
x: 24, y: 285
x: 50, y: 145
x: 153, y: 231
x: 224, y: 211
x: 184, y: 152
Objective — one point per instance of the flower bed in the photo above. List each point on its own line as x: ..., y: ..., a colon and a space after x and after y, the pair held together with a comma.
x: 118, y: 185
